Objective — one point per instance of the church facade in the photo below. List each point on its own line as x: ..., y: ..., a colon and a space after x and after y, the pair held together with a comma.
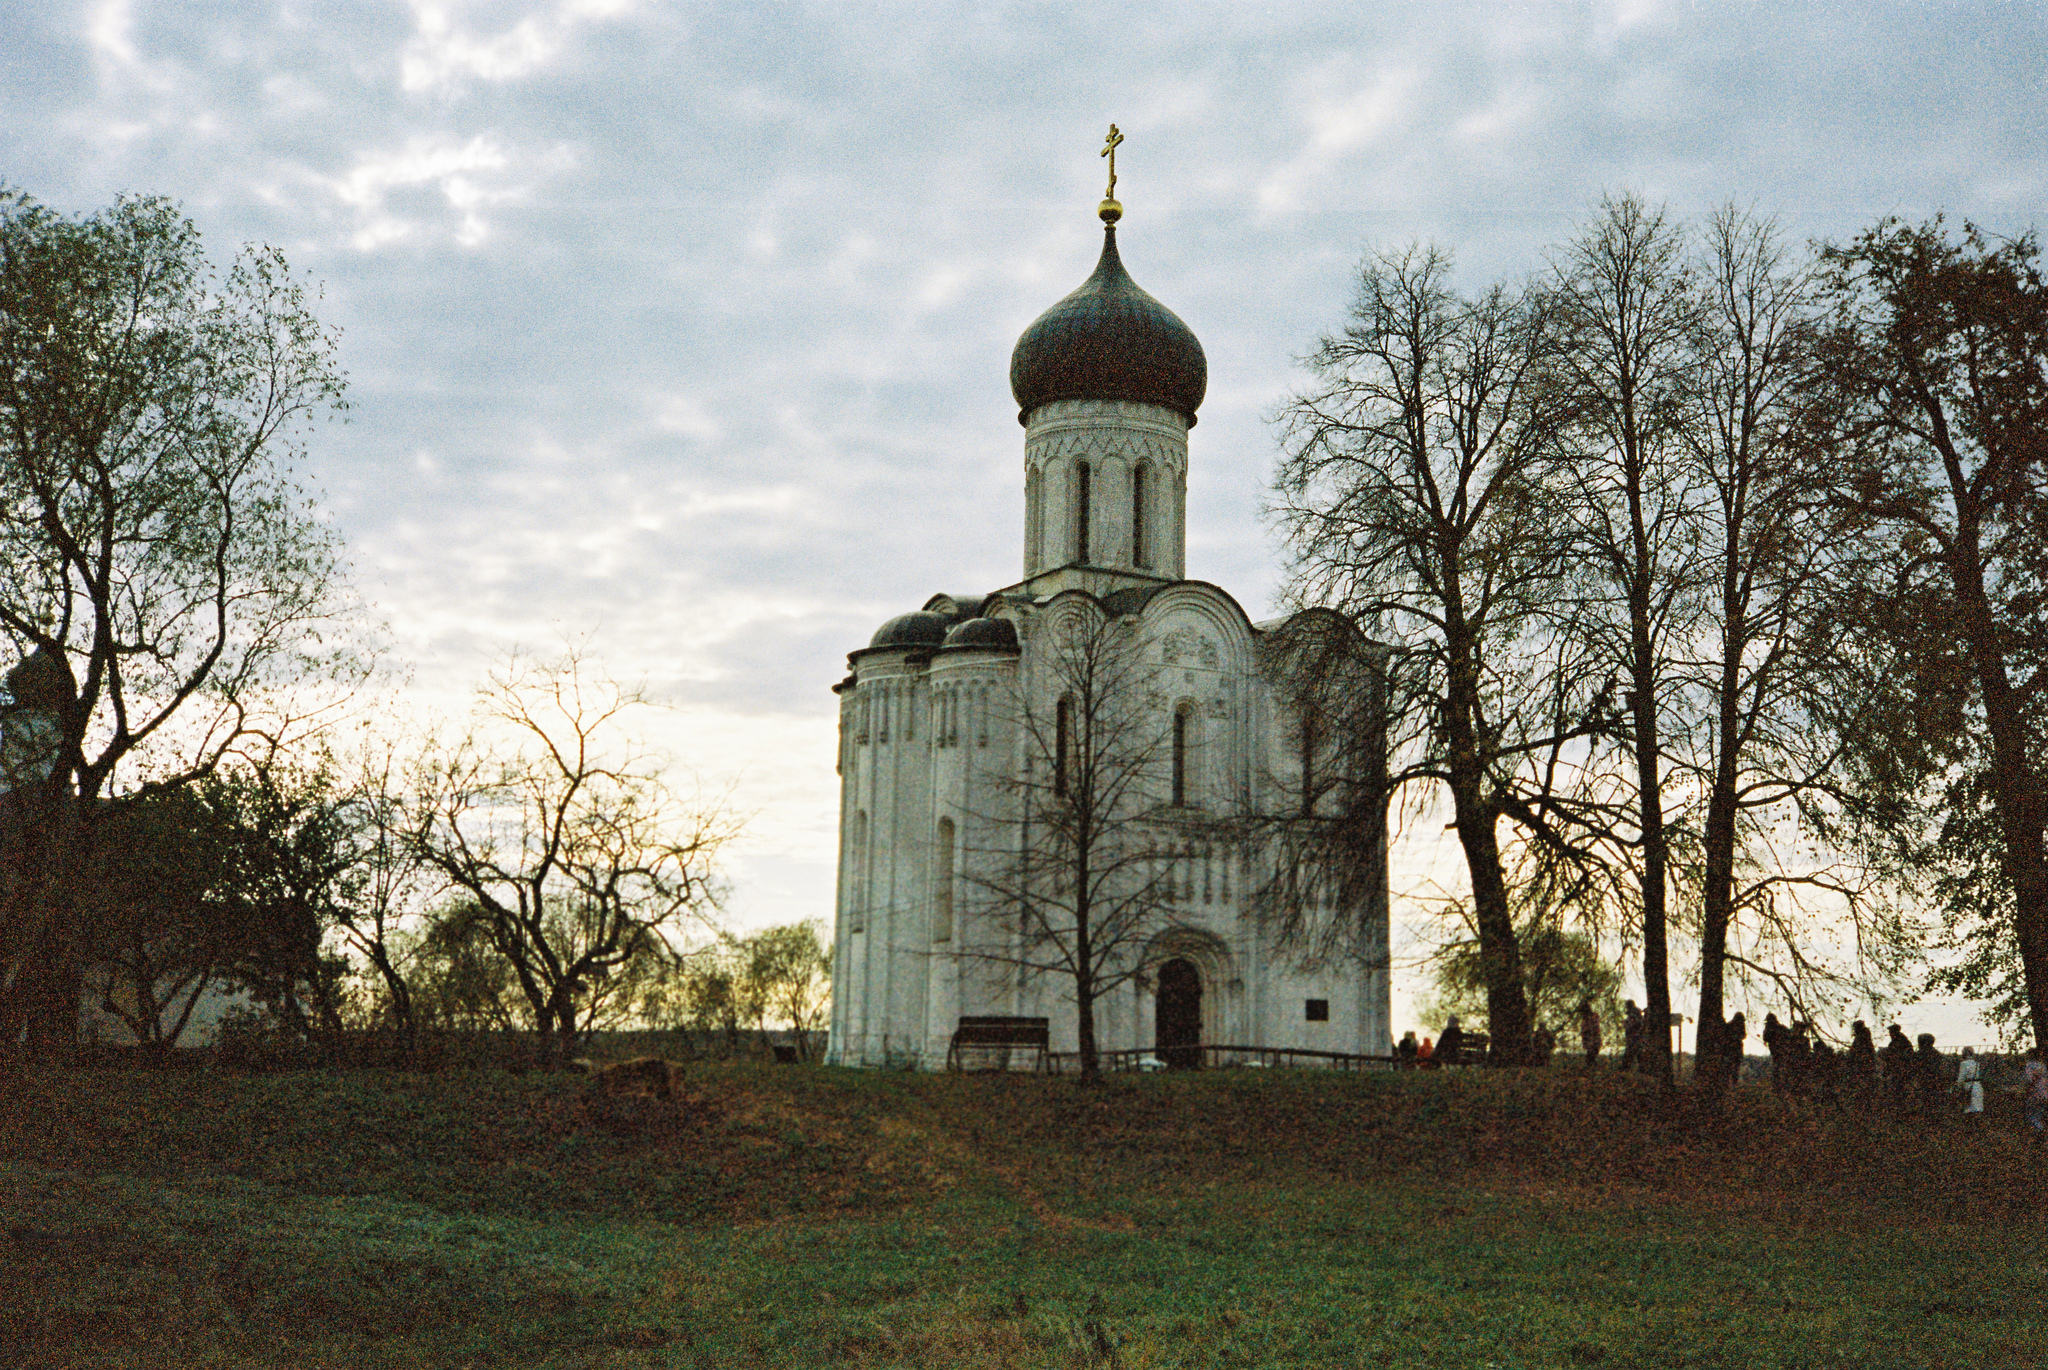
x: 1106, y: 772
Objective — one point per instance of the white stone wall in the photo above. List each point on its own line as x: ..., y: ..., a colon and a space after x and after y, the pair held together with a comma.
x: 924, y: 737
x: 1115, y: 439
x: 929, y: 737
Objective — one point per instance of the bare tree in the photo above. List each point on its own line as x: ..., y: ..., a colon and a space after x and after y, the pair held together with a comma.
x: 1317, y: 856
x: 1412, y: 497
x: 1625, y: 308
x: 385, y: 884
x: 577, y: 858
x: 1763, y: 742
x: 1099, y: 799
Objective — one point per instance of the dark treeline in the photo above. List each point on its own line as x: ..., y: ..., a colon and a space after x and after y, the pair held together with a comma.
x: 385, y: 913
x: 1714, y: 569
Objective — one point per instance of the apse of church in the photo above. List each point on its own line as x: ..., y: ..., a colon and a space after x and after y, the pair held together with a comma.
x: 952, y: 717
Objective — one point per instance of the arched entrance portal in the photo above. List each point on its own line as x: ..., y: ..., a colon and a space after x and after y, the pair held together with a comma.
x: 1178, y: 1035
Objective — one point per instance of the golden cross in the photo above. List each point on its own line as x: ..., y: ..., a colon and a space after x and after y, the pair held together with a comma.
x: 1109, y: 151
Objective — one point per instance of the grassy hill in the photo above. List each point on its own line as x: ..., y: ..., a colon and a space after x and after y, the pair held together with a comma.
x: 792, y: 1216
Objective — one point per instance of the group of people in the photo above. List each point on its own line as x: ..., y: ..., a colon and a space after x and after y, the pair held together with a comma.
x: 1410, y: 1054
x: 1911, y: 1080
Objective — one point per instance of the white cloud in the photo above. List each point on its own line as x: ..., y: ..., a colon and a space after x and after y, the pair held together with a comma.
x: 470, y: 177
x: 109, y: 31
x: 444, y: 50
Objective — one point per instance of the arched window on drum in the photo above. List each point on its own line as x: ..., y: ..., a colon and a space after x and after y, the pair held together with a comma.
x: 1187, y: 754
x: 1141, y: 476
x: 1083, y: 494
x: 942, y: 883
x: 1062, y: 744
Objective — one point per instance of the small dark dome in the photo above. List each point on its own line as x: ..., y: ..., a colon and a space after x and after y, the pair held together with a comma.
x: 1109, y: 340
x: 920, y: 629
x: 987, y: 634
x: 40, y: 681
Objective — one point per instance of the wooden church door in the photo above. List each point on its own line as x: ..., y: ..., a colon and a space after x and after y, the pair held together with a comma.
x: 1178, y: 1036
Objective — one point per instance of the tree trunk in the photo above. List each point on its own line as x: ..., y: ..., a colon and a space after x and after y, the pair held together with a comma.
x: 400, y: 993
x: 1084, y: 964
x: 1718, y: 840
x: 1091, y: 1061
x: 1717, y: 903
x: 2015, y: 792
x: 1507, y: 1004
x: 1656, y: 1057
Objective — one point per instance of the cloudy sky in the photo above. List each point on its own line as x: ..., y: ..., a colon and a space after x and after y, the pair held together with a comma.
x: 687, y: 326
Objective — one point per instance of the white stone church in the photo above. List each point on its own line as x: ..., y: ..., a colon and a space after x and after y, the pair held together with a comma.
x: 953, y: 730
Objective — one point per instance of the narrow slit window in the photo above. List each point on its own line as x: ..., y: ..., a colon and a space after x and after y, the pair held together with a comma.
x: 1082, y: 494
x: 1138, y: 479
x: 1034, y: 516
x: 1062, y: 729
x: 942, y: 885
x: 1180, y: 756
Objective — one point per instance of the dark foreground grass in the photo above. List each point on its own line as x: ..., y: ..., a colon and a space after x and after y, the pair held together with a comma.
x: 808, y: 1218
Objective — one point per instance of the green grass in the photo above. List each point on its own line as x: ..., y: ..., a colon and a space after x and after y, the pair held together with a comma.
x: 817, y: 1217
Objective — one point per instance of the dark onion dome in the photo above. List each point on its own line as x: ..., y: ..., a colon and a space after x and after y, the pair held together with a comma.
x: 921, y: 629
x: 1109, y: 340
x: 985, y: 634
x: 41, y: 681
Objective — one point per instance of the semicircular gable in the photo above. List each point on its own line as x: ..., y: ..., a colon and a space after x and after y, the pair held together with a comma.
x: 1214, y: 609
x: 1320, y: 615
x: 1282, y: 641
x: 1067, y: 603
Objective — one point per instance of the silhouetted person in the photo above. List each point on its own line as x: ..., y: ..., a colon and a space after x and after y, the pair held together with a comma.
x: 1824, y: 1070
x: 1405, y: 1051
x: 1450, y: 1042
x: 1545, y: 1043
x: 1733, y: 1034
x: 1589, y: 1032
x: 1898, y: 1069
x: 1799, y: 1058
x: 1631, y: 1036
x: 1778, y: 1041
x: 1931, y: 1075
x: 1861, y: 1067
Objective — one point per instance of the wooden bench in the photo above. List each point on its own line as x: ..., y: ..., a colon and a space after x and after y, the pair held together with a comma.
x: 987, y: 1034
x: 1472, y: 1053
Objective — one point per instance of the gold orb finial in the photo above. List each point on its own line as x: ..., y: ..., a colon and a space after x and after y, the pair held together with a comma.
x: 1109, y: 210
